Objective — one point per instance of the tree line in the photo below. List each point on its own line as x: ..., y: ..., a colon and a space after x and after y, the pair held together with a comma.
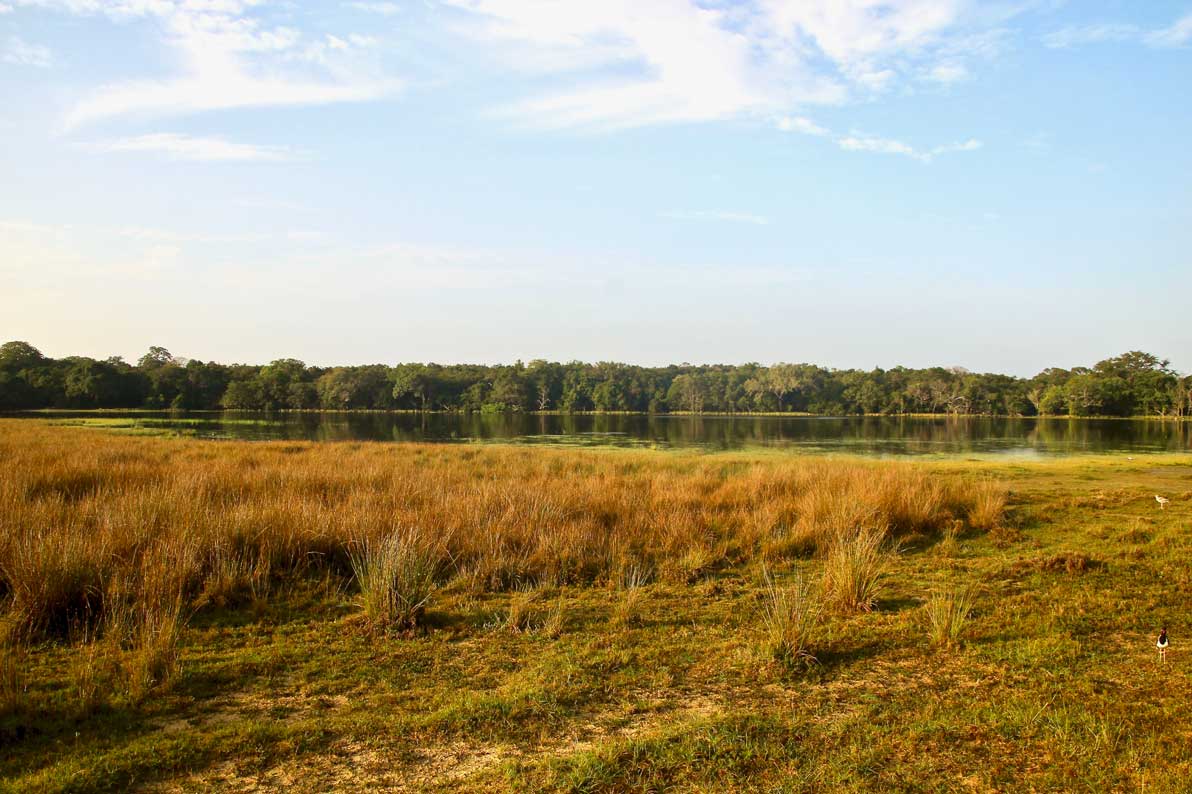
x: 1130, y: 384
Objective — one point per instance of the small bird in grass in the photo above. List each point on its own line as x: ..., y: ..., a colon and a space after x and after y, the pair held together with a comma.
x: 1161, y: 644
x: 1162, y: 500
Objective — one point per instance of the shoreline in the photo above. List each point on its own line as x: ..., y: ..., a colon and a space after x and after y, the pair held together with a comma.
x: 676, y: 414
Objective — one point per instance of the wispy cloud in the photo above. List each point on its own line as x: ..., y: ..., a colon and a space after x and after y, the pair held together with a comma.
x: 803, y: 125
x: 863, y: 142
x: 1177, y: 34
x: 947, y: 73
x: 230, y: 59
x: 187, y: 147
x: 19, y: 52
x: 717, y: 216
x: 681, y: 60
x: 384, y: 9
x: 1090, y: 34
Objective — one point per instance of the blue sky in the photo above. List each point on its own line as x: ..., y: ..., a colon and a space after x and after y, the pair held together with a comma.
x: 1000, y: 185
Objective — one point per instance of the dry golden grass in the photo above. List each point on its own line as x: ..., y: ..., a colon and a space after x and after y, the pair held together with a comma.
x: 80, y: 511
x: 853, y: 566
x: 988, y: 506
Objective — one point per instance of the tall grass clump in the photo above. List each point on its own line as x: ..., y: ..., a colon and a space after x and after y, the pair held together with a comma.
x: 396, y: 575
x: 55, y: 580
x: 947, y: 613
x: 987, y: 508
x: 144, y: 621
x: 792, y: 616
x: 854, y: 563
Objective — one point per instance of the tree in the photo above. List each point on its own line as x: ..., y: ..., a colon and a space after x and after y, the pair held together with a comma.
x: 92, y: 384
x: 281, y: 385
x: 1054, y: 401
x: 243, y: 395
x: 687, y: 392
x: 417, y: 381
x: 509, y: 390
x: 156, y: 357
x: 16, y: 356
x: 781, y: 380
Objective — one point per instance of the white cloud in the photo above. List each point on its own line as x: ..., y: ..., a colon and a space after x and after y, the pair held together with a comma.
x: 803, y: 125
x: 21, y: 53
x: 869, y: 143
x: 717, y: 215
x: 681, y: 60
x: 230, y: 59
x: 862, y: 142
x: 5, y: 8
x: 186, y: 147
x: 857, y: 142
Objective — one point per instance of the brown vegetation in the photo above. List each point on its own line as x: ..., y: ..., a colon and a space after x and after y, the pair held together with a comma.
x: 89, y: 522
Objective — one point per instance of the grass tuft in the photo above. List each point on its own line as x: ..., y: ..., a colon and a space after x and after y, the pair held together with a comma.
x: 853, y: 567
x: 792, y: 616
x: 947, y: 613
x: 396, y: 575
x: 987, y: 509
x: 627, y: 609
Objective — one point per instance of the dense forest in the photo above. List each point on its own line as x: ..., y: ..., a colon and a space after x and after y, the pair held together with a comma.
x: 1131, y: 384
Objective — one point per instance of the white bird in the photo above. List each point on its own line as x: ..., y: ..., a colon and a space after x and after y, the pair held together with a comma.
x: 1162, y: 500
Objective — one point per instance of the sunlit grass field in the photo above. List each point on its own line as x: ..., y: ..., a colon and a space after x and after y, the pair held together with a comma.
x: 184, y: 615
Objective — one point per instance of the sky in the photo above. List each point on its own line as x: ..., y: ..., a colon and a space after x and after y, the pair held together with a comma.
x: 1002, y: 185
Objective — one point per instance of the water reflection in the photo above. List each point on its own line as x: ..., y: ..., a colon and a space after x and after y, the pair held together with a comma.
x: 863, y: 435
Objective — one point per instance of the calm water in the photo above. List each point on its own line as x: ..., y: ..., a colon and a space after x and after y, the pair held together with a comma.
x: 858, y: 435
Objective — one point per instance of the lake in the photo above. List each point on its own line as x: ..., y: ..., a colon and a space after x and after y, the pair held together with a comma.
x: 868, y: 435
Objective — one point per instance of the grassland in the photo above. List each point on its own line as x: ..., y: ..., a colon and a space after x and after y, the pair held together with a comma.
x: 185, y: 615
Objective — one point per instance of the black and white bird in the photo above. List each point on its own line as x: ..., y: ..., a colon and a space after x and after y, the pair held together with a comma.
x: 1162, y: 500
